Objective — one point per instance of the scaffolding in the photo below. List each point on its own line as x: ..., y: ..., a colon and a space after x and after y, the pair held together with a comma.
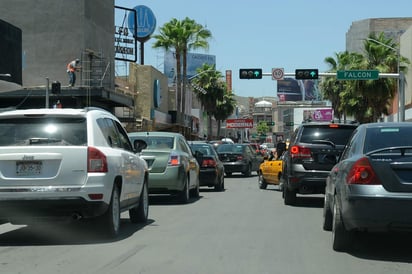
x: 95, y: 69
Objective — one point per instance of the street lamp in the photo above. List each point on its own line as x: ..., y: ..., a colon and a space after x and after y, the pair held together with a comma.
x: 401, y: 84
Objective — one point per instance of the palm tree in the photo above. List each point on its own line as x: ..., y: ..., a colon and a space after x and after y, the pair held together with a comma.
x: 224, y: 109
x: 181, y: 36
x: 211, y: 81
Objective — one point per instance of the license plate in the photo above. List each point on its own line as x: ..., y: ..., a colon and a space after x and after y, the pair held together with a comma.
x: 24, y: 168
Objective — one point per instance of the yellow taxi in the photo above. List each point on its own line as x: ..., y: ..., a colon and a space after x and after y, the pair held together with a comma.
x: 270, y: 172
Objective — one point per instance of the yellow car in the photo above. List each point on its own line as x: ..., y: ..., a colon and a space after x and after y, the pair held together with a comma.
x: 270, y: 172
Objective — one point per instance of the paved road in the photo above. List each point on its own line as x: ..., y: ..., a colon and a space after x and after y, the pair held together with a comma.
x: 241, y: 230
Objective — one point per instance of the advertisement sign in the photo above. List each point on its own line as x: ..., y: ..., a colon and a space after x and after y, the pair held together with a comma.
x: 239, y: 123
x: 318, y: 115
x: 194, y: 61
x: 290, y: 89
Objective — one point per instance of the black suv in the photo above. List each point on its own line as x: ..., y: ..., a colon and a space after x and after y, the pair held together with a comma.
x: 313, y: 150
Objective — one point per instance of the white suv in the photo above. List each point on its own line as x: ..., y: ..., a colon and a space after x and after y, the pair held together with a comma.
x: 70, y: 164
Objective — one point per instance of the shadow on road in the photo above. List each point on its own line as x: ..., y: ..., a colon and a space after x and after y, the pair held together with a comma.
x: 65, y: 234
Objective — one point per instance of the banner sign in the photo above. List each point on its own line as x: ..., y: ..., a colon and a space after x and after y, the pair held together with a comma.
x: 239, y: 123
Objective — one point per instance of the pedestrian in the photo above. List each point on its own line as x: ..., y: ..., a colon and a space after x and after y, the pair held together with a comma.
x: 72, y: 67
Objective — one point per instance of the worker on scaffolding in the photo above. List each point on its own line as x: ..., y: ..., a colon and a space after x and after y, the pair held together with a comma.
x: 72, y: 67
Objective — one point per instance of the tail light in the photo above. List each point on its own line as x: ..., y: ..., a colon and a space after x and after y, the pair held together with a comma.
x: 239, y: 158
x: 300, y: 152
x: 362, y: 173
x: 208, y: 163
x: 96, y: 160
x: 174, y: 160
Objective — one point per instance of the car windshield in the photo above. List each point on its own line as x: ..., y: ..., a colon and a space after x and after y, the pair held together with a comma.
x: 43, y: 131
x: 334, y: 135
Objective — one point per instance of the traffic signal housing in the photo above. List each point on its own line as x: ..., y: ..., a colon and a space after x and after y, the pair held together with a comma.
x: 250, y: 73
x: 306, y: 74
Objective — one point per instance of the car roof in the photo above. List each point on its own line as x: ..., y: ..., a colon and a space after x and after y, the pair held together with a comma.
x: 155, y: 133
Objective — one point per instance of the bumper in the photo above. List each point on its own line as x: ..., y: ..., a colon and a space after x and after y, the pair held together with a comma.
x: 208, y: 177
x: 377, y: 213
x: 172, y: 180
x: 22, y: 211
x: 308, y: 182
x: 235, y: 167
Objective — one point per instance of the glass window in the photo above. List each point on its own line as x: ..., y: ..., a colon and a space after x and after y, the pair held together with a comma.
x: 43, y: 131
x: 339, y: 135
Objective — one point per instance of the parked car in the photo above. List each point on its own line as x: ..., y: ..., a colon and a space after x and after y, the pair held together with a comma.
x: 270, y: 172
x: 312, y: 152
x: 212, y: 171
x: 370, y: 188
x: 69, y: 164
x: 173, y: 168
x: 239, y: 158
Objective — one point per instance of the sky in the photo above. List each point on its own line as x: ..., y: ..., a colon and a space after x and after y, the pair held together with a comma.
x: 288, y: 34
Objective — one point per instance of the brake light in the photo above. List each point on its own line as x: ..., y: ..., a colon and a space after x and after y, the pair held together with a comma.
x: 362, y: 173
x: 300, y: 152
x: 208, y: 163
x: 239, y: 158
x: 174, y: 160
x: 333, y: 125
x: 96, y: 160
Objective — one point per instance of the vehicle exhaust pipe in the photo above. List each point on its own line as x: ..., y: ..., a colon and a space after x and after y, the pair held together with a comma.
x: 76, y: 216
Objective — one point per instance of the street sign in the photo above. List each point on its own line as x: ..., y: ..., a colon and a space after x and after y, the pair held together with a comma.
x: 239, y: 123
x: 357, y: 74
x: 277, y: 73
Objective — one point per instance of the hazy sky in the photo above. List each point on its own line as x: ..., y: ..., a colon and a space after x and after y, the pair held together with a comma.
x: 269, y: 34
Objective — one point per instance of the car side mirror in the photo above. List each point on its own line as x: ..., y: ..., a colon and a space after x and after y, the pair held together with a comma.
x: 139, y: 145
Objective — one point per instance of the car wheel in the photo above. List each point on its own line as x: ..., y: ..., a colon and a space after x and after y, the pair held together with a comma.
x: 327, y: 215
x: 220, y: 185
x: 196, y: 191
x: 261, y: 181
x: 341, y: 238
x: 289, y: 196
x: 140, y: 213
x: 185, y: 193
x: 248, y: 171
x: 110, y: 221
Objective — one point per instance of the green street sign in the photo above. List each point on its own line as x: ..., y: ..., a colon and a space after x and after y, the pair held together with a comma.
x: 357, y: 74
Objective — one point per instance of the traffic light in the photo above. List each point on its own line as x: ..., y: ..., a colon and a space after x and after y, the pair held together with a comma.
x: 289, y: 124
x: 55, y: 87
x: 306, y: 74
x: 270, y: 123
x: 251, y: 73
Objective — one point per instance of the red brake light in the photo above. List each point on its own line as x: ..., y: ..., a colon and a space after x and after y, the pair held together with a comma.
x: 333, y: 125
x: 208, y: 163
x: 96, y: 160
x: 239, y: 158
x: 362, y: 173
x: 300, y: 152
x: 174, y: 160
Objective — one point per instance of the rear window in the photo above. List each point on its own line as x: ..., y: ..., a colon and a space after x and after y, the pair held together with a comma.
x: 156, y: 142
x: 377, y: 138
x: 339, y: 135
x: 43, y: 131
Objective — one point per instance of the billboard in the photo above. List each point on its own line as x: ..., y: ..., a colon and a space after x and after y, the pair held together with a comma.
x: 290, y: 89
x: 239, y: 123
x: 194, y: 61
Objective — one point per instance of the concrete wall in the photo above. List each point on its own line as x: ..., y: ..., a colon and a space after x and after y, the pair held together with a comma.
x: 406, y: 51
x: 55, y: 32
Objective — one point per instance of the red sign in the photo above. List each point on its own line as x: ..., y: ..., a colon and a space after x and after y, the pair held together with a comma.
x: 239, y: 123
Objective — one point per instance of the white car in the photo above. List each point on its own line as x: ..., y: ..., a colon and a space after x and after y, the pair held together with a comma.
x: 70, y: 164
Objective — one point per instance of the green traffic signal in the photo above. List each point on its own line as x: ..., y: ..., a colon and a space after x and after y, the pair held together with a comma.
x: 250, y: 73
x: 306, y: 74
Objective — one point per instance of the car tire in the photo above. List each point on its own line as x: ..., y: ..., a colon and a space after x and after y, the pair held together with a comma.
x: 289, y: 196
x: 248, y: 171
x: 221, y: 184
x: 184, y: 195
x: 196, y: 191
x: 261, y: 181
x: 341, y: 238
x: 327, y: 214
x: 140, y: 213
x: 110, y: 220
